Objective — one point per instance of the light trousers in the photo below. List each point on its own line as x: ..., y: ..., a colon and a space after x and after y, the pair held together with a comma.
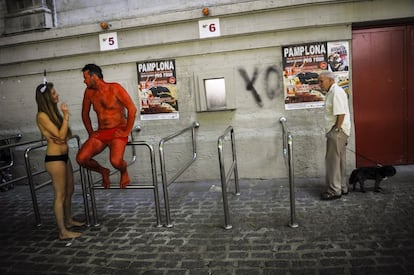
x: 335, y: 162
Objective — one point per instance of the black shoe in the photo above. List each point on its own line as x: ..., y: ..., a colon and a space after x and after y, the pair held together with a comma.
x: 327, y: 196
x: 345, y: 193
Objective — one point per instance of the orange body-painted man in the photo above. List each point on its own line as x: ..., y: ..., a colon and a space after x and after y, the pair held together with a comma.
x: 109, y: 101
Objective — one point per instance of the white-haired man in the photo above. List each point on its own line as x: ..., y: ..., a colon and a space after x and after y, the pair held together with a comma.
x: 338, y: 129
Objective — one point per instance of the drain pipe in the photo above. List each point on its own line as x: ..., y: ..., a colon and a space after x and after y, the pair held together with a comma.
x: 55, y: 21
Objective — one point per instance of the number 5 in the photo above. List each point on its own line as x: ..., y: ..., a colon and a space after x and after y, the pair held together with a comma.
x: 111, y: 41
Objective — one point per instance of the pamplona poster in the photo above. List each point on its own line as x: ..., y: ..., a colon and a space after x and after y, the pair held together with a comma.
x: 157, y: 85
x: 302, y: 65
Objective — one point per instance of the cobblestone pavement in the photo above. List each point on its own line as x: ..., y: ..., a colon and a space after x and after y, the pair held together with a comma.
x: 361, y: 233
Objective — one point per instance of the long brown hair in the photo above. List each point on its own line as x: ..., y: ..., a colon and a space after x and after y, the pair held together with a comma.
x: 46, y: 105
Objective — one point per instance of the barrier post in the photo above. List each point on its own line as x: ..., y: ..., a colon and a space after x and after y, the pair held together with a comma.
x: 32, y: 188
x: 293, y: 222
x: 288, y: 153
x: 225, y: 177
x: 92, y: 185
x: 165, y: 181
x: 85, y: 195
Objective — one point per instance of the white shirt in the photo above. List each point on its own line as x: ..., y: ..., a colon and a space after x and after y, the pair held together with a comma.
x: 336, y: 103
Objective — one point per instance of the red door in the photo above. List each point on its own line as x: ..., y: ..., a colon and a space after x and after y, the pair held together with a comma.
x: 410, y: 93
x: 382, y: 59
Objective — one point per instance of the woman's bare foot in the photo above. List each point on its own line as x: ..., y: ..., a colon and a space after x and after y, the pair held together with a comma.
x: 69, y: 235
x: 72, y: 223
x: 125, y: 181
x: 106, y: 182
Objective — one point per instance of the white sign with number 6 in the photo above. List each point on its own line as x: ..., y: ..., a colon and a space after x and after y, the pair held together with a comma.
x: 209, y: 28
x: 108, y: 41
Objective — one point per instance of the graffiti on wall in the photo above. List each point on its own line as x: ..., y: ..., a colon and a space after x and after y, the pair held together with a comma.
x: 271, y: 82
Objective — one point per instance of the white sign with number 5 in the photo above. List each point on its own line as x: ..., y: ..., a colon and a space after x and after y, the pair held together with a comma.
x: 209, y: 28
x: 108, y: 41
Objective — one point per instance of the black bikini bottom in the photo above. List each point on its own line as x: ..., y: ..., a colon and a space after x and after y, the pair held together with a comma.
x: 63, y: 158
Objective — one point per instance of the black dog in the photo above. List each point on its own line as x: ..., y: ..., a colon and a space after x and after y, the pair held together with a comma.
x: 371, y: 173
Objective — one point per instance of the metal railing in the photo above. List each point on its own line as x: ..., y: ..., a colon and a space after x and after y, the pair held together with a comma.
x: 6, y: 162
x: 93, y: 185
x: 30, y: 175
x: 9, y: 146
x: 226, y: 175
x: 165, y: 181
x: 288, y: 156
x: 6, y: 142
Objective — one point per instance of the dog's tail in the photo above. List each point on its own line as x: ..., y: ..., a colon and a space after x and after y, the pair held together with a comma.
x: 352, y: 178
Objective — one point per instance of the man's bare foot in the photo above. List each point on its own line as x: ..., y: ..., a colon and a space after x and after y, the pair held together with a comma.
x: 125, y: 181
x: 69, y: 235
x: 73, y: 223
x: 106, y: 182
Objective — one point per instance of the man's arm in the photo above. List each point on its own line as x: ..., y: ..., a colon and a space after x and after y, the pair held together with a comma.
x: 86, y: 107
x: 339, y: 121
x: 340, y: 98
x: 132, y: 111
x: 129, y: 104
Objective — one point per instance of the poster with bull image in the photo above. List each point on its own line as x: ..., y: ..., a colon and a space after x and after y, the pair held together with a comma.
x: 302, y: 65
x: 157, y: 85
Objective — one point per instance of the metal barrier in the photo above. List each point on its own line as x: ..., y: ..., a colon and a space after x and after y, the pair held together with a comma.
x: 288, y: 153
x: 7, y: 161
x: 9, y: 147
x: 93, y: 185
x: 165, y: 181
x: 226, y: 175
x: 33, y: 187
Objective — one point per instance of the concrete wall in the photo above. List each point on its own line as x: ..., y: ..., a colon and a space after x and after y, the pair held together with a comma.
x: 252, y: 33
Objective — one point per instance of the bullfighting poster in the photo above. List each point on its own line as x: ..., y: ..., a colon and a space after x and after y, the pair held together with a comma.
x: 338, y: 62
x: 157, y: 85
x: 302, y: 65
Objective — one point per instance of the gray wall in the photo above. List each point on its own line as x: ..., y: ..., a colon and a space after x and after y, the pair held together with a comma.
x: 252, y: 33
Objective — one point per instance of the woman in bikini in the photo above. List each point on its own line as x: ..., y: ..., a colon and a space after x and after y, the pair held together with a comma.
x: 55, y: 128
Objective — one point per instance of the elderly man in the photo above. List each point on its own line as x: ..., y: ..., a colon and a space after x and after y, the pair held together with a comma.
x: 338, y: 129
